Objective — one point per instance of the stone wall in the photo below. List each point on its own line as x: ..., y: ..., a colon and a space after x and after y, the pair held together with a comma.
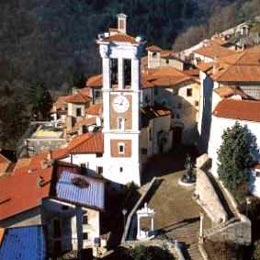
x: 238, y: 232
x: 208, y: 199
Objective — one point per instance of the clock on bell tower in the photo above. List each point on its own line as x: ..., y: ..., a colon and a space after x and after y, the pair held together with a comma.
x: 121, y: 56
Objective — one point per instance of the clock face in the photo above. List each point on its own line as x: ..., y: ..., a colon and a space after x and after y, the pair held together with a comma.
x: 120, y: 104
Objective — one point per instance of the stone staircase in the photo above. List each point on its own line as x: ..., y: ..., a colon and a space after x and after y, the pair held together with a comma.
x: 187, y: 234
x: 211, y: 231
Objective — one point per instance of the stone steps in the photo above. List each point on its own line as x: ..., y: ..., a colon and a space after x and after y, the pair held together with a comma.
x: 187, y: 234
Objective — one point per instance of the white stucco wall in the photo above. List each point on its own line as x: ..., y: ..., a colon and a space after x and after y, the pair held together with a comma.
x: 255, y: 182
x: 72, y: 109
x: 184, y: 108
x: 91, y: 160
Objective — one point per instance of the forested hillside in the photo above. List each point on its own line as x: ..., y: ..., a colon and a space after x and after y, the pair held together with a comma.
x: 51, y: 43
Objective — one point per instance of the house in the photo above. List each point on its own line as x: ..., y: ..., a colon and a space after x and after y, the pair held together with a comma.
x: 158, y: 58
x: 226, y: 113
x: 71, y: 106
x: 178, y: 91
x: 60, y: 196
x: 210, y: 51
x: 23, y: 243
x: 71, y: 213
x: 238, y: 74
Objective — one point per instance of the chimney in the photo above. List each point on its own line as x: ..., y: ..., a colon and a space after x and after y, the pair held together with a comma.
x: 121, y: 23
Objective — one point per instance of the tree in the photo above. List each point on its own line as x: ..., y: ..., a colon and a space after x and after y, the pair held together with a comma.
x: 41, y: 101
x: 150, y: 253
x: 236, y: 155
x: 256, y: 253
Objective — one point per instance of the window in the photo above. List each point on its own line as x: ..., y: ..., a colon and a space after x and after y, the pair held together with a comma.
x: 97, y: 93
x: 114, y: 71
x: 99, y: 170
x: 154, y: 54
x: 78, y: 111
x: 120, y: 123
x: 121, y: 148
x: 99, y: 154
x: 121, y: 169
x: 85, y: 236
x: 64, y: 207
x: 85, y: 219
x: 179, y: 105
x: 155, y: 91
x: 196, y: 103
x: 178, y: 116
x: 167, y: 61
x: 189, y: 92
x: 257, y: 174
x: 127, y: 72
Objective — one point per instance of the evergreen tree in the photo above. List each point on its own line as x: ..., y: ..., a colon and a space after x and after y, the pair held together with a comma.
x: 41, y: 101
x: 236, y: 155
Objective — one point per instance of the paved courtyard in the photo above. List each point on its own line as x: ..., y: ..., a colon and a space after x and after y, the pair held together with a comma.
x: 177, y: 214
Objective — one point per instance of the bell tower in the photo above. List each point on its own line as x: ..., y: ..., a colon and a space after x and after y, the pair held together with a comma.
x: 121, y: 56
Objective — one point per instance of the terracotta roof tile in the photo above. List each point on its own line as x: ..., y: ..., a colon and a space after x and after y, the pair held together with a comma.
x: 218, y: 40
x: 167, y: 77
x: 20, y: 192
x: 205, y: 66
x: 238, y: 109
x: 120, y: 37
x: 95, y: 81
x: 77, y: 98
x: 2, y: 233
x: 60, y: 103
x: 23, y: 162
x: 154, y: 48
x: 168, y: 54
x: 85, y: 92
x: 87, y: 143
x: 95, y: 109
x: 229, y: 91
x: 240, y: 67
x: 212, y: 50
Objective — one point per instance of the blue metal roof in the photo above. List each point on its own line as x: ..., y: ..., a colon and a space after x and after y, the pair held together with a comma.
x: 92, y: 195
x: 23, y: 243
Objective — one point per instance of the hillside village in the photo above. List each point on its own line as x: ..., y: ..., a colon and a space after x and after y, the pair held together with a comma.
x: 88, y: 178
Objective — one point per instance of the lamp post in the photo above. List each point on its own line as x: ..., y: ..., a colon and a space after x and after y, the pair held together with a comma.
x: 124, y: 211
